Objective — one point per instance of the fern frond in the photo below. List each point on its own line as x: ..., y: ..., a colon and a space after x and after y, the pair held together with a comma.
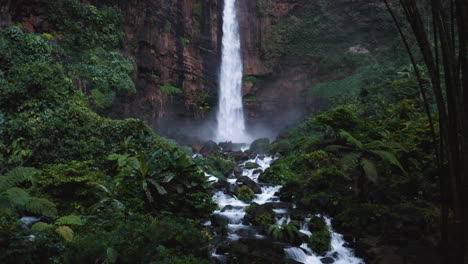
x: 18, y: 197
x: 350, y: 139
x: 41, y: 206
x: 17, y: 176
x: 40, y: 226
x: 70, y: 220
x: 369, y: 169
x: 388, y: 156
x: 66, y: 232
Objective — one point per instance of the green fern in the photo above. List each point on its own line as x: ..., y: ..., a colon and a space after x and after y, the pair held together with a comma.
x: 285, y: 233
x: 13, y: 197
x: 66, y: 232
x: 70, y: 220
x: 16, y: 177
x: 40, y: 226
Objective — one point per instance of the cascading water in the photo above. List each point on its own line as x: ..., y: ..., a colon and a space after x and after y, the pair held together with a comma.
x: 234, y: 210
x: 230, y: 116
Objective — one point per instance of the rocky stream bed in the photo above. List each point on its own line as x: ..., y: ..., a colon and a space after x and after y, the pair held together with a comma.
x: 239, y: 223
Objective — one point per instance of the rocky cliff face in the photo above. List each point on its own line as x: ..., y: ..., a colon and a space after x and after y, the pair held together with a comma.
x: 178, y: 42
x: 174, y: 43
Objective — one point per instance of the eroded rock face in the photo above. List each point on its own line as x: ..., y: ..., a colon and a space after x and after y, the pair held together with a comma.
x: 173, y: 43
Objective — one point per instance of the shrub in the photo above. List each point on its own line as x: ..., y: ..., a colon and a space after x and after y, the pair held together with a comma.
x: 244, y: 193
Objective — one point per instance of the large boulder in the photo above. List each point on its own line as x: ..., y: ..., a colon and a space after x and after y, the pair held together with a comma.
x: 240, y: 155
x: 219, y: 220
x: 230, y: 147
x: 260, y: 214
x: 260, y: 251
x: 260, y: 146
x: 210, y: 149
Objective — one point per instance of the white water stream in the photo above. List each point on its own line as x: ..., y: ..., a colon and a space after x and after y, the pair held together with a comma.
x: 230, y: 116
x: 234, y: 210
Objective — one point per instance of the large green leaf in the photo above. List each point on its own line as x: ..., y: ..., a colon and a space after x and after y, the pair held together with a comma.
x: 350, y: 139
x: 158, y: 186
x: 369, y: 169
x: 388, y: 156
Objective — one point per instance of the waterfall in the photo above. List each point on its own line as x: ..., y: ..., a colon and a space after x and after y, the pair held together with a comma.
x: 230, y: 116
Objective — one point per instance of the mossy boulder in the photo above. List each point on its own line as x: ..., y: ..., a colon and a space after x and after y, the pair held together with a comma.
x: 244, y: 193
x: 320, y: 241
x: 260, y: 214
x: 260, y: 146
x: 251, y: 165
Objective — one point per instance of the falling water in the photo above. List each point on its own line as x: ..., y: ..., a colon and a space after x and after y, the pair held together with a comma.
x: 230, y: 118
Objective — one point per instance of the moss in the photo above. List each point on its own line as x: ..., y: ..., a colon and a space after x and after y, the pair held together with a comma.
x: 320, y: 241
x: 261, y: 145
x: 251, y: 165
x: 244, y: 193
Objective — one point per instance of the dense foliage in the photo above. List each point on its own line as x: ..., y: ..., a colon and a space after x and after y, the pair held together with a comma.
x: 368, y: 162
x: 104, y: 191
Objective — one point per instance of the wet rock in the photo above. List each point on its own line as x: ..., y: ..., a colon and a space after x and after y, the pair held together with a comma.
x: 260, y: 251
x: 244, y: 180
x: 260, y: 146
x: 218, y: 220
x: 262, y: 215
x: 223, y: 248
x: 240, y: 156
x: 238, y: 171
x: 327, y: 260
x: 231, y: 189
x: 230, y: 147
x: 246, y: 232
x: 210, y: 149
x: 257, y: 171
